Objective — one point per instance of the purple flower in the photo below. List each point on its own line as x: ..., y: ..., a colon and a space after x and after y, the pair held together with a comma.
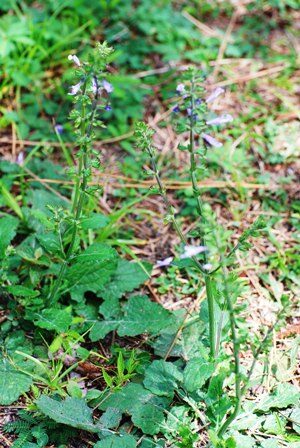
x: 225, y: 118
x: 180, y: 89
x: 75, y: 89
x: 165, y: 262
x: 198, y: 101
x: 20, y: 158
x: 107, y: 86
x: 207, y: 266
x: 176, y: 109
x: 211, y: 141
x: 214, y: 95
x: 107, y: 107
x: 75, y: 59
x: 192, y: 251
x: 59, y: 128
x: 189, y: 111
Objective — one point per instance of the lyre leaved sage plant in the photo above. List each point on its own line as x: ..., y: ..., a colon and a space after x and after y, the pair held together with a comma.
x: 211, y: 255
x: 91, y: 95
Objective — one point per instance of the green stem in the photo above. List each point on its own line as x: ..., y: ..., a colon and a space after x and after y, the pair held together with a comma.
x: 80, y: 189
x: 197, y: 196
x: 236, y: 355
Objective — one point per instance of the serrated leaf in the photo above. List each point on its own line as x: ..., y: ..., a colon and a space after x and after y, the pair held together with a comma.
x: 71, y: 411
x: 12, y: 383
x: 8, y: 226
x: 102, y: 328
x: 146, y: 409
x: 53, y: 319
x: 143, y: 316
x: 285, y: 395
x: 125, y: 441
x: 196, y: 373
x: 91, y: 270
x: 162, y: 378
x: 140, y: 316
x: 127, y: 277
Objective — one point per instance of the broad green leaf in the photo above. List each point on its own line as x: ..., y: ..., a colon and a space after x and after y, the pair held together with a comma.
x: 8, y: 227
x: 242, y: 441
x: 53, y: 319
x: 71, y: 411
x: 50, y: 242
x: 128, y: 276
x: 101, y: 328
x: 285, y: 395
x: 111, y: 418
x: 22, y: 291
x: 91, y: 270
x: 125, y: 441
x: 269, y: 443
x: 146, y: 409
x: 143, y: 316
x: 162, y: 378
x: 12, y: 383
x: 196, y: 373
x: 94, y: 221
x: 140, y: 315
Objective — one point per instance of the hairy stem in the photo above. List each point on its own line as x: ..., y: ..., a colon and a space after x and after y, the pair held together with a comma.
x: 197, y: 196
x: 80, y: 188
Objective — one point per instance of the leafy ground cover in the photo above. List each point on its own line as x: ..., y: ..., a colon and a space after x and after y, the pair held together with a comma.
x: 100, y: 344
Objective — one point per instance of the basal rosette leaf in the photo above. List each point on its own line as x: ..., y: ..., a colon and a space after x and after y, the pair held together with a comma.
x: 91, y: 270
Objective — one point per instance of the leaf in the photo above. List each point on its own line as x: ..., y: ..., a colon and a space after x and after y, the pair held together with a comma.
x: 127, y: 277
x: 242, y: 441
x: 162, y: 378
x: 22, y: 291
x: 53, y: 319
x: 12, y: 383
x: 140, y: 315
x: 146, y: 409
x: 71, y: 411
x: 126, y: 441
x: 270, y: 443
x: 285, y: 395
x: 102, y: 328
x: 8, y: 226
x: 196, y: 373
x: 94, y: 221
x: 143, y: 316
x: 91, y: 270
x: 50, y: 242
x: 111, y: 418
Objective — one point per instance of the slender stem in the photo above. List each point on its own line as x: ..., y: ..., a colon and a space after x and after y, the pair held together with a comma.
x: 197, y: 196
x: 175, y: 223
x: 80, y: 188
x: 236, y: 355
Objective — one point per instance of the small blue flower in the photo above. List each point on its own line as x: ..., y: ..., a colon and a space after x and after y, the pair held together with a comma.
x: 75, y: 89
x: 75, y: 59
x: 108, y: 107
x: 198, y: 102
x: 211, y: 141
x: 107, y: 86
x: 214, y: 95
x: 176, y: 109
x: 59, y: 128
x: 225, y: 118
x: 180, y: 89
